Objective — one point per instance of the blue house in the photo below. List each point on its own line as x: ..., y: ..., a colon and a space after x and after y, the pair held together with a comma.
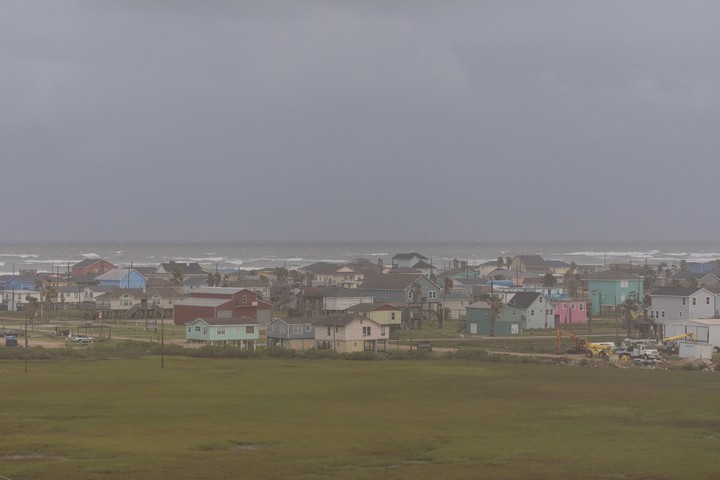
x: 297, y: 333
x: 243, y: 332
x: 122, y: 278
x: 18, y: 282
x: 612, y: 288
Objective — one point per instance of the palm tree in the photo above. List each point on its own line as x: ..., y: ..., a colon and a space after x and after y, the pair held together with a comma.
x: 500, y: 262
x: 496, y: 307
x: 630, y: 311
x: 448, y: 284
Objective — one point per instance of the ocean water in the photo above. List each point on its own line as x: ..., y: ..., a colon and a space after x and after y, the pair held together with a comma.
x: 57, y: 257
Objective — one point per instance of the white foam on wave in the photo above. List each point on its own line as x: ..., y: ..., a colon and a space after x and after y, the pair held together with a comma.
x: 90, y: 255
x: 201, y: 259
x: 630, y: 253
x: 50, y: 261
x: 19, y: 255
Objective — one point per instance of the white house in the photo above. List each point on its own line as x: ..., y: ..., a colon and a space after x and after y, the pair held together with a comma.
x: 681, y: 303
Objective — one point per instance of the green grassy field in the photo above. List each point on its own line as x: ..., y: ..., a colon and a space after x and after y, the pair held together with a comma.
x: 326, y: 419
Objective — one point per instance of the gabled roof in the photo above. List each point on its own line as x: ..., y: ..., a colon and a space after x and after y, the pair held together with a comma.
x: 187, y: 268
x: 480, y: 304
x: 531, y: 260
x: 296, y: 320
x: 340, y: 319
x: 675, y: 291
x: 117, y: 274
x: 409, y: 256
x: 321, y: 268
x: 557, y: 263
x: 229, y: 291
x: 226, y: 321
x: 335, y: 292
x: 612, y: 275
x: 389, y: 281
x: 422, y: 264
x: 523, y: 299
x: 370, y: 307
x: 115, y: 293
x: 89, y: 262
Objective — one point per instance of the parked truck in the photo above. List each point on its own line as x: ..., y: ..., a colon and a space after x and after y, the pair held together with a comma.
x: 631, y: 349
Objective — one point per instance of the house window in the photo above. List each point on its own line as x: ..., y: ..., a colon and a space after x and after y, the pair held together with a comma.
x: 432, y: 294
x: 684, y: 301
x: 307, y: 328
x: 382, y: 330
x: 250, y: 330
x: 387, y: 294
x: 205, y: 330
x: 572, y: 306
x: 707, y: 300
x: 663, y: 314
x: 244, y: 299
x: 197, y: 328
x: 532, y: 313
x: 366, y: 331
x: 189, y: 329
x: 565, y: 306
x: 297, y: 329
x: 221, y: 330
x: 581, y: 306
x: 410, y: 295
x: 392, y: 315
x: 540, y: 299
x: 329, y: 331
x: 694, y: 301
x: 623, y: 284
x: 681, y: 313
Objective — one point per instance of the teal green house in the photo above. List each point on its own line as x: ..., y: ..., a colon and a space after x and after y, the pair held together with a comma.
x: 612, y: 287
x: 243, y: 332
x: 477, y: 318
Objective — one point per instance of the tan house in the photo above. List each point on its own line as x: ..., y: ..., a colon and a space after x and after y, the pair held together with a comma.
x: 351, y: 333
x: 382, y: 313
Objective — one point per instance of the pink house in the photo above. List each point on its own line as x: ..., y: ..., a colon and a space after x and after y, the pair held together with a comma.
x: 570, y: 311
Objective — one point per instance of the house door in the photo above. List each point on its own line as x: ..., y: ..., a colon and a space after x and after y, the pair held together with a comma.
x: 473, y: 328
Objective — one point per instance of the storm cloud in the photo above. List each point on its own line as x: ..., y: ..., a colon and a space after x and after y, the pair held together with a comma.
x: 329, y: 120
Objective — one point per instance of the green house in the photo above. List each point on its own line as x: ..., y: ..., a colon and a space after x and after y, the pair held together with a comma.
x: 243, y: 332
x: 477, y: 318
x: 611, y: 288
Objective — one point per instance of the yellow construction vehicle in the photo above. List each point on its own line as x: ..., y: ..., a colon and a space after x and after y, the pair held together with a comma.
x: 582, y: 345
x: 670, y: 344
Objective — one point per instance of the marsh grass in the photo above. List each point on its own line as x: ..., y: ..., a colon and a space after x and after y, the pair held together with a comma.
x: 326, y: 419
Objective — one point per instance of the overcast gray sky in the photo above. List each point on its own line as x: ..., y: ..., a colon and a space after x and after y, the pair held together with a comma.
x: 376, y: 120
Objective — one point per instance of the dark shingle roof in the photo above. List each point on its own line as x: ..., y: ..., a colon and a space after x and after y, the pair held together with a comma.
x: 532, y: 260
x: 332, y: 292
x: 389, y: 281
x: 322, y: 268
x: 339, y: 320
x: 422, y: 264
x: 675, y: 291
x: 187, y: 268
x: 523, y: 299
